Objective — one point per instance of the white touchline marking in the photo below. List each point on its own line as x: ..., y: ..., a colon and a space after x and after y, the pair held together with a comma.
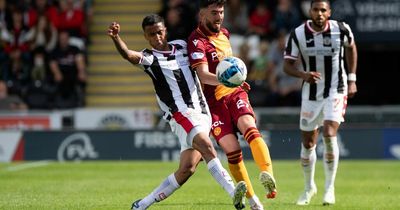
x: 24, y: 166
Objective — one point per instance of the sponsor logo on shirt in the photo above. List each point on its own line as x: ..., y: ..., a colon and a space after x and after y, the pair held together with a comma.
x: 195, y: 41
x: 197, y: 55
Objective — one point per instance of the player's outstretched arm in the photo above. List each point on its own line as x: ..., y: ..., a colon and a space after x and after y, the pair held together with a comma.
x: 130, y: 55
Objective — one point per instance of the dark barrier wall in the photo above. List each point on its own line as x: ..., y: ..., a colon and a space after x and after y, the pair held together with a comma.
x: 163, y: 145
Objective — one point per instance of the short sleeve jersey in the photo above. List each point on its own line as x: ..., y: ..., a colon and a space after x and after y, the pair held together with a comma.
x: 176, y: 84
x: 210, y: 48
x: 322, y: 52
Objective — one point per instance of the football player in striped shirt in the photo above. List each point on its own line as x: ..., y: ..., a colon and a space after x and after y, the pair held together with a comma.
x: 180, y: 97
x: 322, y: 45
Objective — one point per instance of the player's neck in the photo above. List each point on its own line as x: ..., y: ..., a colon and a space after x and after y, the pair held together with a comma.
x: 166, y: 47
x: 318, y: 28
x: 207, y: 30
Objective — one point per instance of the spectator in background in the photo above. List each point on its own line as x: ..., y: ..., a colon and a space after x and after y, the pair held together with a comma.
x: 17, y: 38
x: 286, y: 16
x: 3, y: 25
x: 10, y: 102
x: 45, y: 34
x: 68, y: 69
x: 236, y: 17
x: 180, y: 19
x: 72, y: 19
x: 40, y: 8
x: 44, y: 42
x: 3, y: 13
x: 259, y: 75
x: 260, y: 21
x: 286, y: 90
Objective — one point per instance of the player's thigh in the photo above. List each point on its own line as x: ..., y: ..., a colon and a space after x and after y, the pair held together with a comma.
x: 311, y: 115
x: 221, y: 121
x: 335, y: 108
x: 186, y: 129
x: 239, y: 105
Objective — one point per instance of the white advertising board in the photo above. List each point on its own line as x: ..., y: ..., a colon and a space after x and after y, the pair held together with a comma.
x: 113, y: 119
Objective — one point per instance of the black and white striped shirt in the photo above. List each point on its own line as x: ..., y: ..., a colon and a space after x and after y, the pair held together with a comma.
x: 323, y: 52
x: 176, y: 84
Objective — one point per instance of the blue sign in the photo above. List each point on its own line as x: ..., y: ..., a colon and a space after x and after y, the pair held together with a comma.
x: 391, y: 139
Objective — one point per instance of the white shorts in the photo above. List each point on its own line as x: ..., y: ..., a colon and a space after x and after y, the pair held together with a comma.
x: 314, y: 113
x: 188, y: 124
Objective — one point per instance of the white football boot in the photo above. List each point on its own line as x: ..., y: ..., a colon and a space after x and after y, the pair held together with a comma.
x: 306, y: 196
x: 329, y: 197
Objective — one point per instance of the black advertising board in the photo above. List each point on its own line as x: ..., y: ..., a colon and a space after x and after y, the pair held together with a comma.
x: 372, y: 21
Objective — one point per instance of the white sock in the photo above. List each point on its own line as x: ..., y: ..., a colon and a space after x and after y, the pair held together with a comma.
x: 166, y: 188
x: 254, y: 200
x: 308, y: 159
x: 221, y: 175
x: 331, y: 160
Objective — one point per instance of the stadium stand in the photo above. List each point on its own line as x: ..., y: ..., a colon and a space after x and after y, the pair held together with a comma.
x: 112, y: 81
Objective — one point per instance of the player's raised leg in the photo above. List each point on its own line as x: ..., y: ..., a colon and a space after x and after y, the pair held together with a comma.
x: 189, y: 160
x: 261, y: 156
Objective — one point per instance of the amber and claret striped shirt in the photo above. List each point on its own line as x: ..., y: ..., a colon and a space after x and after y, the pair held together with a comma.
x: 210, y: 48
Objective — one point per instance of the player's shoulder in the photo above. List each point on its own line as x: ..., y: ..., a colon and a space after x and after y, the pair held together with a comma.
x: 180, y: 43
x: 196, y: 40
x: 300, y: 27
x: 338, y: 23
x: 194, y: 35
x: 146, y: 52
x: 225, y: 32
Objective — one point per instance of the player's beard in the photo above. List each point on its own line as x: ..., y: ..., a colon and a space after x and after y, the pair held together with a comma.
x: 319, y: 23
x: 212, y: 27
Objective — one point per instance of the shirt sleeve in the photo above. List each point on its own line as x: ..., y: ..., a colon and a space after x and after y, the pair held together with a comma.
x: 349, y: 37
x: 197, y: 52
x: 146, y: 59
x: 292, y: 48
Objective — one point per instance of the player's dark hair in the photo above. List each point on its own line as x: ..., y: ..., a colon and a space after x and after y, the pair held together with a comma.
x: 315, y: 1
x: 152, y: 19
x: 206, y: 3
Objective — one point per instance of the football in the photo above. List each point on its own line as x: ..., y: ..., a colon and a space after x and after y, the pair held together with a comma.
x: 231, y: 72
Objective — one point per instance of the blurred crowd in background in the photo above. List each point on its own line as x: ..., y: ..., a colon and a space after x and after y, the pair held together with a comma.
x: 43, y: 48
x: 43, y: 54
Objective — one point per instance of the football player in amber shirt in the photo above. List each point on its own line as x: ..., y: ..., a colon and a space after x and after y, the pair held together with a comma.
x: 230, y: 107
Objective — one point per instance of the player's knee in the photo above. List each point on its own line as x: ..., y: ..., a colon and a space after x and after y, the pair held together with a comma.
x: 308, y: 144
x: 235, y: 156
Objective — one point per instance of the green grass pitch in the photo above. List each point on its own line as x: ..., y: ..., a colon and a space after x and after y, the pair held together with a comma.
x: 115, y: 184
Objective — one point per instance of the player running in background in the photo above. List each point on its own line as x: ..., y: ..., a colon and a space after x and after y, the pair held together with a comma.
x: 230, y: 107
x: 322, y: 44
x: 180, y: 97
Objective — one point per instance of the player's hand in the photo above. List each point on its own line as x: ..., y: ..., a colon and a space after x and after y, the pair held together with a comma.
x: 114, y: 29
x: 245, y: 86
x: 312, y: 77
x: 352, y: 89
